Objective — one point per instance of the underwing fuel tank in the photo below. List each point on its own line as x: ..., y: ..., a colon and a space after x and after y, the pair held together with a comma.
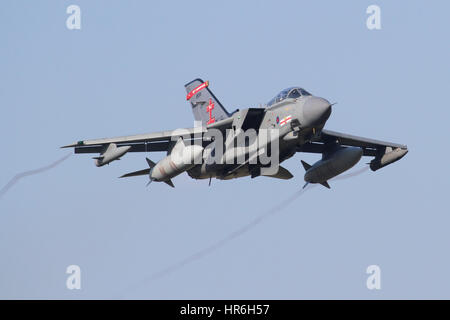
x: 181, y: 159
x: 332, y: 165
x: 111, y: 153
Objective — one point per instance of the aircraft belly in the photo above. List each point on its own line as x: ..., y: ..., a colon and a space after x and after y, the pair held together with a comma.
x: 287, y: 149
x: 204, y: 171
x: 241, y: 172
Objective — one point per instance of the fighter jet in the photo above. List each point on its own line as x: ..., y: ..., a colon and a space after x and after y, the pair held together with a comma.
x: 295, y: 119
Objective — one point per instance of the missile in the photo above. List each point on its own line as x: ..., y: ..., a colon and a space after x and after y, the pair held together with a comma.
x: 111, y: 153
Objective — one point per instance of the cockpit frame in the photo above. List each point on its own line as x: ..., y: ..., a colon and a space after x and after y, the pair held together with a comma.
x: 288, y: 93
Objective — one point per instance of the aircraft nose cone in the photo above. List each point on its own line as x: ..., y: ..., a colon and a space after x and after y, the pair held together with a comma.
x: 316, y: 111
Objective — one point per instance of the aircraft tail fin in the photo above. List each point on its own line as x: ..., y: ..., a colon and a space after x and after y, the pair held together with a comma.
x: 205, y: 106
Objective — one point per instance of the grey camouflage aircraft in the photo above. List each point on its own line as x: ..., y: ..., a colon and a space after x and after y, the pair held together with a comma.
x: 297, y: 117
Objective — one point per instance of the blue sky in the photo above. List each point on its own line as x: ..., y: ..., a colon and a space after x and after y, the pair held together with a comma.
x: 123, y: 73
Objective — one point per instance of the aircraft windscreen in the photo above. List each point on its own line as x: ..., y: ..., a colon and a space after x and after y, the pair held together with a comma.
x: 304, y: 92
x: 292, y: 93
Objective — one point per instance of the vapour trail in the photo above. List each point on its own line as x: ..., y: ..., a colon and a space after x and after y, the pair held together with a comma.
x: 239, y: 232
x: 21, y: 175
x: 229, y: 237
x: 220, y: 243
x: 352, y: 174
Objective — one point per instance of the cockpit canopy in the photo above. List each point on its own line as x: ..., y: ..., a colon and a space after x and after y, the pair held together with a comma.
x: 292, y: 93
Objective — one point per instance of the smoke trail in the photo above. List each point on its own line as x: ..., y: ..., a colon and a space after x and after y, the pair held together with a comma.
x: 352, y: 174
x: 237, y: 233
x: 220, y: 243
x: 21, y: 175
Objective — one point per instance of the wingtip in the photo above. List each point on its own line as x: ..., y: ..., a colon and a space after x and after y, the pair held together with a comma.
x: 75, y: 144
x: 68, y: 146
